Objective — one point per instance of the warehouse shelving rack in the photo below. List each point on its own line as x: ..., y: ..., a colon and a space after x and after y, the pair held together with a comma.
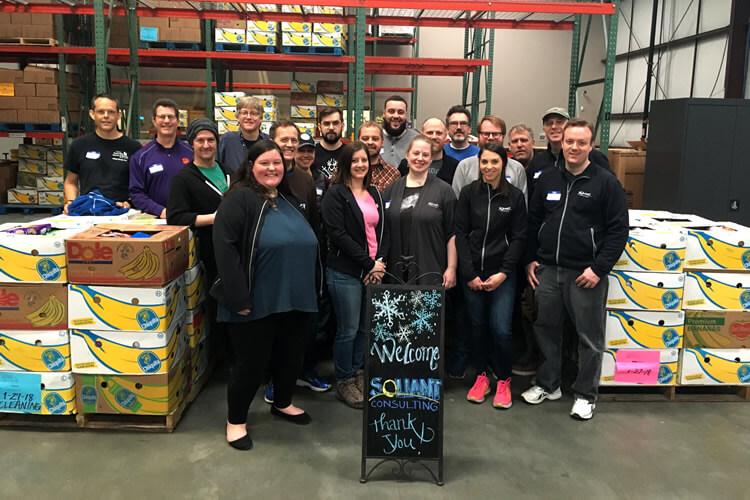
x: 473, y: 15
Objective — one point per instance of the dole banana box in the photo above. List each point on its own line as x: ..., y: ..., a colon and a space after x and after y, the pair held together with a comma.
x: 23, y: 196
x: 34, y: 257
x: 717, y: 329
x: 294, y: 39
x: 717, y: 291
x: 715, y: 367
x: 196, y: 326
x: 296, y: 27
x: 26, y: 180
x: 668, y: 367
x: 644, y: 329
x: 309, y: 112
x: 29, y: 306
x: 118, y: 254
x: 304, y: 87
x: 33, y: 152
x: 49, y: 184
x: 45, y: 393
x: 158, y: 394
x: 229, y: 35
x: 117, y: 308
x: 262, y: 26
x: 645, y: 291
x: 54, y: 156
x: 262, y: 38
x: 194, y: 253
x: 226, y: 114
x: 227, y: 99
x: 227, y: 126
x: 725, y: 247
x: 306, y: 127
x: 126, y: 353
x: 334, y: 100
x: 650, y: 250
x: 327, y: 40
x: 268, y: 101
x: 35, y: 351
x: 38, y: 167
x: 51, y: 197
x: 195, y: 285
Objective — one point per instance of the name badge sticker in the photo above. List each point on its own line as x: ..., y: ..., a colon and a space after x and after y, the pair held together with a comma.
x: 157, y: 167
x: 387, y: 204
x: 319, y: 191
x: 537, y: 174
x: 553, y: 196
x: 93, y: 155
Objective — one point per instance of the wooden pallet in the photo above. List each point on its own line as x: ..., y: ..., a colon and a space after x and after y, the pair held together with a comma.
x: 681, y: 393
x: 52, y: 422
x: 49, y: 42
x: 139, y: 423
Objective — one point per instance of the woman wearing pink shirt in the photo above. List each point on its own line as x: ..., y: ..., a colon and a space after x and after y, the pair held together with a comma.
x: 353, y: 214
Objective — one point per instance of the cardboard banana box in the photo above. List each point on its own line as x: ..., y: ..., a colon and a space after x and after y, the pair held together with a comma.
x: 227, y: 99
x: 34, y: 257
x: 35, y: 351
x: 268, y: 101
x: 668, y: 367
x: 33, y: 152
x: 229, y: 35
x: 650, y: 250
x: 196, y: 288
x: 196, y: 325
x: 200, y: 358
x: 194, y: 253
x: 715, y: 367
x: 20, y: 196
x: 227, y: 126
x: 228, y: 114
x: 28, y: 306
x: 717, y: 291
x: 724, y: 247
x: 262, y: 38
x: 95, y: 258
x: 327, y: 39
x: 269, y: 26
x: 644, y: 329
x: 42, y: 393
x: 717, y: 329
x: 641, y: 290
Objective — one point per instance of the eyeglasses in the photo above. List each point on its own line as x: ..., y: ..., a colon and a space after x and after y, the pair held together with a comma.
x: 244, y: 113
x: 458, y: 124
x: 489, y: 135
x: 166, y: 118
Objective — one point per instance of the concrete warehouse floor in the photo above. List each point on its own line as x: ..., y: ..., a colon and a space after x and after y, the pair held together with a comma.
x: 628, y: 450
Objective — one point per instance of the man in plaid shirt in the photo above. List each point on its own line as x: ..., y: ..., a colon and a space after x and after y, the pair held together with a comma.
x: 383, y: 173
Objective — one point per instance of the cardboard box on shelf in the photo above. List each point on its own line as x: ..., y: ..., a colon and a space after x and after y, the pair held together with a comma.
x: 96, y: 257
x: 299, y: 86
x: 20, y: 18
x: 296, y: 9
x: 302, y: 99
x: 334, y: 100
x: 309, y: 112
x: 645, y: 291
x: 231, y: 24
x: 56, y: 393
x: 32, y: 151
x: 154, y: 22
x: 14, y: 103
x: 51, y: 197
x: 8, y: 115
x: 226, y: 114
x: 43, y: 103
x: 329, y: 28
x: 717, y: 291
x: 194, y: 252
x: 230, y: 35
x: 13, y: 30
x: 196, y: 326
x: 37, y: 31
x: 38, y: 167
x: 644, y: 329
x: 33, y: 306
x: 55, y: 156
x: 268, y: 26
x: 668, y: 367
x: 200, y: 359
x: 169, y: 34
x: 330, y: 86
x: 296, y: 27
x: 406, y: 31
x: 42, y: 19
x: 724, y: 246
x: 270, y: 115
x: 327, y: 40
x: 715, y: 366
x: 184, y: 23
x: 55, y: 169
x: 35, y: 351
x: 227, y: 126
x: 262, y: 38
x: 26, y: 180
x: 296, y: 39
x: 653, y: 250
x: 20, y: 196
x: 191, y: 35
x: 268, y: 101
x: 335, y: 11
x: 33, y: 257
x: 119, y: 308
x: 11, y: 76
x: 227, y: 99
x: 306, y: 127
x: 265, y: 127
x: 127, y: 352
x: 49, y: 184
x: 717, y: 329
x: 48, y: 116
x: 36, y: 74
x: 23, y: 89
x: 45, y: 89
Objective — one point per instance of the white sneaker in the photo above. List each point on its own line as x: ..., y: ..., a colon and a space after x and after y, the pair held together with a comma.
x: 536, y: 395
x: 582, y: 409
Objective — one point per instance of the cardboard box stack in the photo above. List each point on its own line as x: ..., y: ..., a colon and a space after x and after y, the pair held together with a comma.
x: 629, y: 166
x: 40, y: 176
x: 31, y: 95
x: 28, y: 25
x: 329, y: 34
x: 225, y: 110
x: 35, y: 362
x: 270, y: 105
x: 126, y: 303
x: 308, y: 99
x: 161, y: 29
x: 295, y: 34
x: 230, y: 31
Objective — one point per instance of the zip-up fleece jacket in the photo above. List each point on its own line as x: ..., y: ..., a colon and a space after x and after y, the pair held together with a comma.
x: 490, y: 230
x: 347, y: 242
x: 578, y: 224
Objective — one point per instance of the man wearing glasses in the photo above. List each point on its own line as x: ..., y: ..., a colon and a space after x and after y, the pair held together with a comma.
x: 491, y: 129
x: 327, y: 151
x: 233, y: 146
x: 153, y: 167
x: 459, y: 128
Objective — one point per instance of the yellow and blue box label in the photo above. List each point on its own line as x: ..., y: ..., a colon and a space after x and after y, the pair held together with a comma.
x: 37, y: 258
x: 268, y: 26
x: 32, y: 151
x: 644, y: 329
x: 668, y: 367
x: 262, y: 38
x: 717, y: 291
x: 305, y: 87
x: 658, y: 251
x: 327, y: 40
x: 55, y: 170
x: 225, y: 114
x: 227, y: 99
x: 715, y: 367
x: 329, y: 28
x: 35, y: 351
x: 38, y: 167
x: 295, y: 39
x: 49, y: 183
x: 309, y: 112
x: 334, y: 100
x: 230, y: 35
x: 54, y: 156
x: 306, y: 127
x: 51, y: 197
x: 194, y: 252
x: 645, y: 291
x: 268, y: 101
x: 296, y: 27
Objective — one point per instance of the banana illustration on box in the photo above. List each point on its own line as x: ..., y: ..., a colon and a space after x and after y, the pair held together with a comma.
x: 717, y: 291
x: 640, y: 290
x: 51, y: 313
x: 646, y: 329
x: 21, y: 266
x: 668, y: 366
x: 36, y: 351
x: 706, y: 251
x: 57, y: 392
x: 195, y: 290
x: 143, y: 267
x: 715, y: 366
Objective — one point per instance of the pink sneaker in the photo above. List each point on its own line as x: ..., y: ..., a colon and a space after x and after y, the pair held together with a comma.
x: 502, y: 396
x: 480, y: 390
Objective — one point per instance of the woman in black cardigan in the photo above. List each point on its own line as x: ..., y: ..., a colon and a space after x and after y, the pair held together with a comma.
x: 266, y: 256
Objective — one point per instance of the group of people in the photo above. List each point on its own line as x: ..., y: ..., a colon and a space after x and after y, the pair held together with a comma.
x: 291, y: 230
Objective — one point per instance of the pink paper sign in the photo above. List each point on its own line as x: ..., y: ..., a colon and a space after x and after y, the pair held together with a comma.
x: 634, y: 366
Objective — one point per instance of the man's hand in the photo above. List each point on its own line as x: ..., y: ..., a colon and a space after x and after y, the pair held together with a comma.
x: 123, y: 204
x: 476, y: 284
x: 163, y: 214
x: 531, y: 274
x: 65, y: 208
x: 244, y: 312
x: 449, y: 278
x: 494, y: 281
x: 587, y: 279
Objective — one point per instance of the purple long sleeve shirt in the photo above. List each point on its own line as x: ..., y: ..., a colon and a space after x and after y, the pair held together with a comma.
x: 152, y: 169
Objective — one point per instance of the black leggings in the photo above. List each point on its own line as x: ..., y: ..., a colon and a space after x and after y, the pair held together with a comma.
x: 277, y: 341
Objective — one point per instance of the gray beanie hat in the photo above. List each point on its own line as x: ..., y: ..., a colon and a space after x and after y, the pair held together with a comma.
x: 198, y: 125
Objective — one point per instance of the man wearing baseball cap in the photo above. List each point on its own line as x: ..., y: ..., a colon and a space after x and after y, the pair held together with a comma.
x: 304, y: 159
x: 553, y: 123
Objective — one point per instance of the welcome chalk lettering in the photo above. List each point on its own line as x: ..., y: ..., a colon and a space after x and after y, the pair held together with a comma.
x: 407, y: 354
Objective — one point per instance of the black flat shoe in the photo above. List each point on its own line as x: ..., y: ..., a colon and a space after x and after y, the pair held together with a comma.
x: 243, y: 443
x: 301, y: 419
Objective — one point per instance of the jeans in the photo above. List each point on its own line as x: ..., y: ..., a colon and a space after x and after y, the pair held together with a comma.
x: 492, y: 311
x: 348, y: 298
x: 557, y: 294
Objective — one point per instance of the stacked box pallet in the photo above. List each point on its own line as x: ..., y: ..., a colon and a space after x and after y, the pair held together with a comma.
x: 303, y: 108
x: 225, y: 110
x: 126, y: 303
x: 644, y: 320
x: 27, y: 25
x: 295, y: 34
x: 270, y: 105
x: 230, y: 31
x: 262, y: 33
x: 40, y: 176
x: 31, y: 96
x: 161, y: 29
x: 35, y: 366
x: 329, y: 34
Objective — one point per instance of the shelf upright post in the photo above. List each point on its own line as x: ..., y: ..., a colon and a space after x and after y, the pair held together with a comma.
x: 415, y: 80
x: 208, y: 24
x: 490, y: 69
x: 134, y: 110
x: 359, y: 62
x: 350, y: 49
x: 609, y: 77
x: 62, y: 83
x: 101, y: 47
x: 476, y: 78
x: 373, y: 77
x: 574, y: 51
x: 465, y: 78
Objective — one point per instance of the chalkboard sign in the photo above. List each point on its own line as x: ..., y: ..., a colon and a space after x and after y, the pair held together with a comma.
x: 403, y: 399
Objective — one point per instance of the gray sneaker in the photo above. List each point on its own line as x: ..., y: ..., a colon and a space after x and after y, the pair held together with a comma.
x: 348, y: 392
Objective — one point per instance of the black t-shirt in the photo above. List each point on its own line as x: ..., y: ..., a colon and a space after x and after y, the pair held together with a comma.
x: 409, y: 201
x: 102, y: 164
x: 435, y: 166
x: 327, y: 160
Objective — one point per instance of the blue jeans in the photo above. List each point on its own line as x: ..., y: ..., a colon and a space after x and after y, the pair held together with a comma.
x: 348, y: 298
x: 492, y: 311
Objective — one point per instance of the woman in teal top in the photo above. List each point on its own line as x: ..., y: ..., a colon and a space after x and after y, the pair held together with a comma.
x: 266, y: 255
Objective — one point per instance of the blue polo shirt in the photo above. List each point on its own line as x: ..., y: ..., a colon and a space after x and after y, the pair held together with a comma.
x: 152, y: 169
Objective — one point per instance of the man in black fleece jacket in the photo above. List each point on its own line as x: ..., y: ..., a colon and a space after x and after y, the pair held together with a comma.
x: 578, y: 227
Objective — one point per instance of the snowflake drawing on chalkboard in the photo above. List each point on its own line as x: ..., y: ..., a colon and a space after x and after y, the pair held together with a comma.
x: 415, y: 298
x: 402, y: 335
x: 432, y: 299
x: 381, y: 333
x: 421, y: 321
x: 387, y: 309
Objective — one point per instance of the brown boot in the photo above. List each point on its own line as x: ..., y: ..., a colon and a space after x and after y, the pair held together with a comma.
x: 348, y: 392
x: 359, y: 377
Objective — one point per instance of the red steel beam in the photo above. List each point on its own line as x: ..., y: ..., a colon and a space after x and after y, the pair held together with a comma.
x: 251, y: 86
